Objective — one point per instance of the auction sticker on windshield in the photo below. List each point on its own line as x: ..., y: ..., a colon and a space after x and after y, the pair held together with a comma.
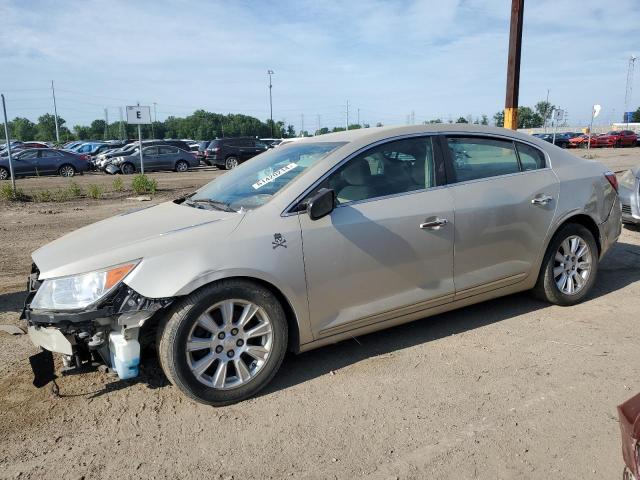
x: 271, y: 177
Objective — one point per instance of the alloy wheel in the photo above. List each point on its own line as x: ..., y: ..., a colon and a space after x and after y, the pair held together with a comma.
x: 4, y: 174
x: 67, y: 171
x: 182, y: 166
x: 572, y: 265
x: 229, y: 344
x: 231, y: 163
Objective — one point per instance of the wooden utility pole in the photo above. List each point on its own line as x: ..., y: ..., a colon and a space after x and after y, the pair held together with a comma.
x: 513, y: 65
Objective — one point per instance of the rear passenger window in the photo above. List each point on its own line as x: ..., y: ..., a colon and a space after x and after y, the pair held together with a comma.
x: 476, y: 158
x: 530, y: 158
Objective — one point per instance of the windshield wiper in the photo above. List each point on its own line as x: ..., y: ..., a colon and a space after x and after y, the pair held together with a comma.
x: 218, y: 205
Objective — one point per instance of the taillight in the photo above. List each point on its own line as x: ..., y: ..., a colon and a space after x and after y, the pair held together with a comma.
x: 613, y: 180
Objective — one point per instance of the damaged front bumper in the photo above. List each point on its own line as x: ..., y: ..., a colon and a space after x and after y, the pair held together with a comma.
x: 108, y: 331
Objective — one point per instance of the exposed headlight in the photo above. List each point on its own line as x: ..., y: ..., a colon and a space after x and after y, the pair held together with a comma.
x: 117, y: 160
x: 79, y: 291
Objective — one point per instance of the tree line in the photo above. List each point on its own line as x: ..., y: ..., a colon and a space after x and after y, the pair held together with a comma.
x: 203, y: 125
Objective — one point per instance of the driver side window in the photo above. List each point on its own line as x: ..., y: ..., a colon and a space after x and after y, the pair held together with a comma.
x: 389, y: 169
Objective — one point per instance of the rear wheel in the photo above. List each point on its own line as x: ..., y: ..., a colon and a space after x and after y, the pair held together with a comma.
x: 224, y: 342
x: 182, y: 166
x: 569, y: 267
x: 231, y: 162
x: 4, y: 173
x: 67, y: 170
x: 128, y: 169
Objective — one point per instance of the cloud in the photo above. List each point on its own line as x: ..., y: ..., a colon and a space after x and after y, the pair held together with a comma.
x: 388, y: 58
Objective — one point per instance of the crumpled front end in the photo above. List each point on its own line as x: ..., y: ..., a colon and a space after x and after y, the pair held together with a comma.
x: 108, y: 331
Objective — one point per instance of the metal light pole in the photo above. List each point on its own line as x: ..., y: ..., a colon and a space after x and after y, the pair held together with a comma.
x: 6, y: 134
x: 55, y: 112
x: 513, y: 65
x: 270, y: 72
x: 140, y: 150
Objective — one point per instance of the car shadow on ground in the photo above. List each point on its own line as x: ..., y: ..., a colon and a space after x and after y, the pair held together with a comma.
x: 12, y: 301
x: 619, y: 268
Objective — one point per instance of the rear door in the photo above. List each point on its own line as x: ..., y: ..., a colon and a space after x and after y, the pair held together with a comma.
x: 505, y: 196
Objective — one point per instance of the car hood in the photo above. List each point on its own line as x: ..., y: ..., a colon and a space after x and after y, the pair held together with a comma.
x: 132, y: 235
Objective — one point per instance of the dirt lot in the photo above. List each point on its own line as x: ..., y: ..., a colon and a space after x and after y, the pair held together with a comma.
x: 512, y: 388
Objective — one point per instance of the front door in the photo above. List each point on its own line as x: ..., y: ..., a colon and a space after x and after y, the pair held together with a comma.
x: 387, y: 248
x: 26, y: 163
x: 505, y: 196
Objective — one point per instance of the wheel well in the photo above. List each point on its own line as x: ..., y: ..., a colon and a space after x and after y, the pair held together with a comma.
x: 587, y: 222
x: 66, y: 165
x: 292, y: 322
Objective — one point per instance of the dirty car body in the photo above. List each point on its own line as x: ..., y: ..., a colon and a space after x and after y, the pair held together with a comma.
x: 321, y: 240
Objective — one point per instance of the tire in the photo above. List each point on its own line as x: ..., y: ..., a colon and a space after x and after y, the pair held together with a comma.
x: 4, y: 173
x: 547, y: 288
x: 67, y: 170
x: 231, y: 163
x: 182, y: 166
x: 128, y: 169
x: 182, y: 325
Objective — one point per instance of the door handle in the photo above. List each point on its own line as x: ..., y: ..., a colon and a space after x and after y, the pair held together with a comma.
x: 541, y: 200
x: 434, y: 224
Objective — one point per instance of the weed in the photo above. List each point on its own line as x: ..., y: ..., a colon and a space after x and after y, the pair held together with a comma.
x: 118, y: 184
x: 74, y: 190
x: 6, y: 193
x: 94, y: 191
x: 143, y: 184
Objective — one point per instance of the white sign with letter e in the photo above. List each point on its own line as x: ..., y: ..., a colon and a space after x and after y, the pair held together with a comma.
x: 138, y: 115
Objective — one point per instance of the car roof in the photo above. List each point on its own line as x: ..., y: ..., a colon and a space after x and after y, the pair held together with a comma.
x: 370, y: 135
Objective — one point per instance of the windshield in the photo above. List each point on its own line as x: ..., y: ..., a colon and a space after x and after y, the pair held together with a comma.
x: 255, y: 182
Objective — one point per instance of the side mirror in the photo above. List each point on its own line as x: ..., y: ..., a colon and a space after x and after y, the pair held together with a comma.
x: 321, y: 204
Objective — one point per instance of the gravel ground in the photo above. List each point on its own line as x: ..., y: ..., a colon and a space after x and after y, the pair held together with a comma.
x: 511, y: 388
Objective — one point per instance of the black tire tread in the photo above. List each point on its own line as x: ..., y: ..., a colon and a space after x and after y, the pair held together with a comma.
x: 168, y: 329
x: 545, y: 288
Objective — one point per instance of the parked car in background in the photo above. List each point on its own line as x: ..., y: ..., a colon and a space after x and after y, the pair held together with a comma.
x: 157, y: 157
x: 228, y: 153
x: 34, y: 145
x: 320, y: 241
x: 271, y: 142
x: 44, y: 161
x: 202, y: 146
x: 630, y: 196
x: 103, y: 159
x: 623, y: 138
x: 560, y: 140
x: 88, y: 147
x: 579, y: 141
x: 181, y: 144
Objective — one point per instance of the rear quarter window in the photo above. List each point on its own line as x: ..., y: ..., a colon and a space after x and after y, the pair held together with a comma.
x: 530, y: 157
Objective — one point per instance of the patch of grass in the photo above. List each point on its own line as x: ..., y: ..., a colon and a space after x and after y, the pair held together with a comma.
x: 118, y: 184
x: 142, y: 184
x: 6, y: 193
x: 43, y: 196
x: 74, y: 190
x: 94, y: 191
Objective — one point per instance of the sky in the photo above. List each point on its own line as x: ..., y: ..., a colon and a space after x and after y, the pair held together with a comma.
x: 437, y: 58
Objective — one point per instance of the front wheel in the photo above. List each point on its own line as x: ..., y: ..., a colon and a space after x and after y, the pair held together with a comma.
x: 4, y: 173
x: 67, y: 171
x: 569, y: 267
x: 128, y: 169
x: 224, y: 342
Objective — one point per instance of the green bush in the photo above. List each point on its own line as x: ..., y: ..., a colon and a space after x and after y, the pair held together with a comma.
x: 94, y: 191
x: 6, y: 193
x: 143, y: 184
x: 118, y: 184
x: 74, y: 190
